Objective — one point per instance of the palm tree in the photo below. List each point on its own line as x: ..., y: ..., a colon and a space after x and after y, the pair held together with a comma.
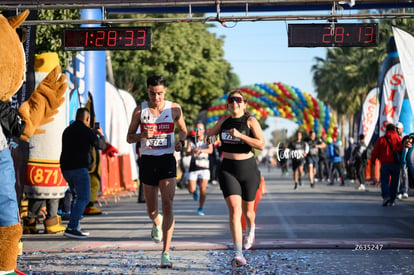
x: 346, y: 75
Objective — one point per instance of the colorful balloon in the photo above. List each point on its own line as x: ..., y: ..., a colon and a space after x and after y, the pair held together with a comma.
x: 278, y: 99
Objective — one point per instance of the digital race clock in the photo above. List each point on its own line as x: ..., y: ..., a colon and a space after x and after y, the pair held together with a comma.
x: 332, y: 35
x: 95, y: 39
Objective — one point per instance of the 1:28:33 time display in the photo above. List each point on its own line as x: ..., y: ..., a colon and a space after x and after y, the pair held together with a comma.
x: 93, y: 39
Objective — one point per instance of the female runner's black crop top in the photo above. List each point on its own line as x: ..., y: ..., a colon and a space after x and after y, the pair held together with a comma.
x: 231, y: 144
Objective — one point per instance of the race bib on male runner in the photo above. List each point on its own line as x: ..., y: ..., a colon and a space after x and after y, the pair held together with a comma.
x: 158, y: 142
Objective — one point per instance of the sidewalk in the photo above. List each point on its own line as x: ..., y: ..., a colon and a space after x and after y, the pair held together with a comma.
x: 325, y: 230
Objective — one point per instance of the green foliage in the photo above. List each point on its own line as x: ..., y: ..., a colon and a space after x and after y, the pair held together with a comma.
x: 189, y: 56
x: 49, y: 37
x: 346, y: 75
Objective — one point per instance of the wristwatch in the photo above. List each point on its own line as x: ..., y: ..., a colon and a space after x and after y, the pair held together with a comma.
x: 182, y: 142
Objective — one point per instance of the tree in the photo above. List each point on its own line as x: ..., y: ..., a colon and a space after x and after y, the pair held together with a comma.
x: 49, y: 37
x: 346, y: 75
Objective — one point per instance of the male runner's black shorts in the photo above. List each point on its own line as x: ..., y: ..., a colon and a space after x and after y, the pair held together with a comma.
x: 296, y: 163
x: 156, y: 168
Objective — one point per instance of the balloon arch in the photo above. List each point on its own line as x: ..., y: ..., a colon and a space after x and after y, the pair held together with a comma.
x: 281, y: 100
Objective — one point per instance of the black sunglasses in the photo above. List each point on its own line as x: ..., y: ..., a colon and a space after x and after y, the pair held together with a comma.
x: 234, y: 99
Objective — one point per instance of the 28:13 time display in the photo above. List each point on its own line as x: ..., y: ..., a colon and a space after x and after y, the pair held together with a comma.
x: 337, y: 35
x: 93, y: 39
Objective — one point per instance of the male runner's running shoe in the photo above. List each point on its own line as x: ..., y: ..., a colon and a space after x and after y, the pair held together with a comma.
x: 156, y: 233
x: 165, y: 260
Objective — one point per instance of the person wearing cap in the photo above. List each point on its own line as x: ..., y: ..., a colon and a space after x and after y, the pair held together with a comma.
x: 384, y: 150
x: 402, y: 192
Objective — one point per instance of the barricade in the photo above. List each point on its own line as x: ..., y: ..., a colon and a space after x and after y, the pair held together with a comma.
x: 114, y: 175
x: 104, y: 176
x: 125, y: 172
x: 259, y: 193
x: 372, y: 173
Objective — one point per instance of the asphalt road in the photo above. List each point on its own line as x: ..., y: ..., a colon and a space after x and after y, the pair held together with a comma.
x: 322, y: 230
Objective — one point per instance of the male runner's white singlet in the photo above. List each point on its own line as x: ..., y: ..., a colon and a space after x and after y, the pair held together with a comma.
x: 163, y: 140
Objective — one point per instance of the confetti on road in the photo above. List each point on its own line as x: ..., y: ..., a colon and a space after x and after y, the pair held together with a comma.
x: 261, y: 262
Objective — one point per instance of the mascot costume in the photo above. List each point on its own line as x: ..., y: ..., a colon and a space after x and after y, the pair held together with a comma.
x: 38, y: 110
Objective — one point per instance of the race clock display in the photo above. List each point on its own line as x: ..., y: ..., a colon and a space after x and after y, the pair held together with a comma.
x: 333, y: 35
x: 96, y: 39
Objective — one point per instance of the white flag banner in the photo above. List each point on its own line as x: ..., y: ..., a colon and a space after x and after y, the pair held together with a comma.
x: 392, y: 97
x: 369, y: 115
x: 405, y: 46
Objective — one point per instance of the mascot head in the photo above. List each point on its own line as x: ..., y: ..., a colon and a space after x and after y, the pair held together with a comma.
x: 12, y: 57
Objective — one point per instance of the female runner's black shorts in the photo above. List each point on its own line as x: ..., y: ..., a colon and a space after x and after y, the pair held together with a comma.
x: 239, y: 177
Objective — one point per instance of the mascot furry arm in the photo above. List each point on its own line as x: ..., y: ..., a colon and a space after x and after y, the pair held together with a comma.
x: 36, y: 111
x: 43, y: 103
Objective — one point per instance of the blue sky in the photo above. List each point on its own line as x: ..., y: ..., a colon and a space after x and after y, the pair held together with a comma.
x: 259, y: 53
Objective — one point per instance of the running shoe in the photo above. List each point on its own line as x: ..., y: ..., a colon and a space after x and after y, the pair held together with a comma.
x: 361, y: 187
x: 200, y: 212
x: 238, y: 261
x: 195, y: 194
x: 248, y: 241
x: 73, y: 233
x: 156, y: 233
x: 83, y: 231
x: 165, y: 260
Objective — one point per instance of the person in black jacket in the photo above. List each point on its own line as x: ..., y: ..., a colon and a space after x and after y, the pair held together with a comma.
x: 77, y: 140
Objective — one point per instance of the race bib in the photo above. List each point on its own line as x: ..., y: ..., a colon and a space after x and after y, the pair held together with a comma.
x: 229, y: 138
x: 158, y: 142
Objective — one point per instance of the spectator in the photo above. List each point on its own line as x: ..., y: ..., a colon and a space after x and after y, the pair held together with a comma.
x: 77, y: 140
x: 386, y: 149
